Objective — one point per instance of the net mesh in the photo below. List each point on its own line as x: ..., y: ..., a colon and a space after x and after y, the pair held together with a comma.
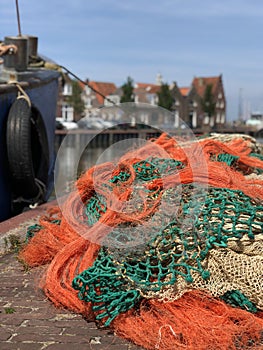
x: 180, y: 263
x: 200, y: 251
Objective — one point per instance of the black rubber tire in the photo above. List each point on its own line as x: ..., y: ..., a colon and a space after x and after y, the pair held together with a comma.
x: 27, y: 150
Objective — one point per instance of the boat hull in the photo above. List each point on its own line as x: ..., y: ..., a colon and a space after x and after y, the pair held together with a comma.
x: 42, y: 88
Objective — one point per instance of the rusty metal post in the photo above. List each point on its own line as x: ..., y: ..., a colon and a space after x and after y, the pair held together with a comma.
x: 19, y: 60
x: 32, y: 45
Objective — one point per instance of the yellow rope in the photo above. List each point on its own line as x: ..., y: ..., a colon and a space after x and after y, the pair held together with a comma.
x: 21, y: 92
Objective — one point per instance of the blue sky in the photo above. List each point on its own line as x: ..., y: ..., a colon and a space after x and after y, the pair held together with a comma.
x: 108, y: 40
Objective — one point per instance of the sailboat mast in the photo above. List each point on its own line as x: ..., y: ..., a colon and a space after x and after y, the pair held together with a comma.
x: 240, y: 105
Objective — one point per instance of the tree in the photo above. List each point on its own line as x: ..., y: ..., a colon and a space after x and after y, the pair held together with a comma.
x: 127, y: 91
x: 75, y: 99
x: 165, y: 98
x: 207, y: 102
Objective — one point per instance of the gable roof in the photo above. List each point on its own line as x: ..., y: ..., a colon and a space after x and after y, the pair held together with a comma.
x: 184, y: 91
x: 104, y: 88
x: 149, y: 88
x: 200, y: 84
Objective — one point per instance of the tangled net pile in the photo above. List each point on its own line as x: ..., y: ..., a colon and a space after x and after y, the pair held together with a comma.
x: 165, y: 247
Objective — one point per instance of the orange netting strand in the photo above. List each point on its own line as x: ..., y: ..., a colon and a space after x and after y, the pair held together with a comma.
x: 194, y: 322
x: 44, y: 246
x: 203, y: 149
x: 76, y: 256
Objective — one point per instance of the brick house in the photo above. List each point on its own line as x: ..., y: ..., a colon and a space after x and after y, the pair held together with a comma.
x: 188, y: 102
x: 147, y: 92
x: 200, y: 84
x: 94, y: 100
x: 64, y: 109
x: 179, y: 107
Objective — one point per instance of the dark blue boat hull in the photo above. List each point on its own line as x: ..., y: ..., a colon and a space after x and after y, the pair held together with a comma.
x: 42, y: 88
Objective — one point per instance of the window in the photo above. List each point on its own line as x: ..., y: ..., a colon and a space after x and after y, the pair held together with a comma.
x: 67, y: 113
x: 88, y: 90
x: 88, y: 102
x: 67, y: 90
x: 206, y: 120
x: 156, y: 100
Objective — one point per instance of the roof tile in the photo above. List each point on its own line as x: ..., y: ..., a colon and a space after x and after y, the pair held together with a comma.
x: 200, y: 84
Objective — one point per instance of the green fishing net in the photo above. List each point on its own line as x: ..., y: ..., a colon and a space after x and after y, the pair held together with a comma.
x: 176, y: 256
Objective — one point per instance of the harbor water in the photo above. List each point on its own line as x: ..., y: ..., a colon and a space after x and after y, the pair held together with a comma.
x: 76, y: 155
x: 92, y: 153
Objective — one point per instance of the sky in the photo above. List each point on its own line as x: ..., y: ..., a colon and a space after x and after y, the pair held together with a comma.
x: 109, y: 40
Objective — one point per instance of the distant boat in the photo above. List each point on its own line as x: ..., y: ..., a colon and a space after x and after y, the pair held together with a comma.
x: 28, y: 100
x: 256, y: 120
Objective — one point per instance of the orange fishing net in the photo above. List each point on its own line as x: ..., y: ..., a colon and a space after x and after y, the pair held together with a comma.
x: 182, y: 287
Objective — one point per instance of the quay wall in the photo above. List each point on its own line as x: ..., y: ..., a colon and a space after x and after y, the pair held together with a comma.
x: 97, y: 138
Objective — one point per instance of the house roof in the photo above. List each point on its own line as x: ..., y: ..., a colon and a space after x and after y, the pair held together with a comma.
x: 184, y: 91
x: 200, y: 84
x: 104, y: 88
x: 145, y: 91
x: 149, y: 88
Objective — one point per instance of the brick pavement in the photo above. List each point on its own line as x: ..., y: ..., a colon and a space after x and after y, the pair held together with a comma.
x: 28, y: 321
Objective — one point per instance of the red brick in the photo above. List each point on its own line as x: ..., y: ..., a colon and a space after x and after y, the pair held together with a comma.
x: 4, y: 334
x: 78, y: 331
x: 21, y: 346
x: 30, y: 337
x: 12, y: 320
x: 68, y: 347
x: 109, y: 347
x: 39, y: 330
x: 73, y: 324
